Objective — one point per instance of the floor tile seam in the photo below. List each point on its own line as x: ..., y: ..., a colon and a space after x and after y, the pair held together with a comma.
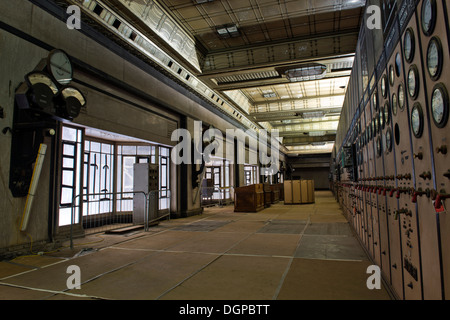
x: 52, y: 292
x: 288, y: 267
x: 211, y: 253
x: 33, y: 269
x: 90, y: 279
x: 204, y: 267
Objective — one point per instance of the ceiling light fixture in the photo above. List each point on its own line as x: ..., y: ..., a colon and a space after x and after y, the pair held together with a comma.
x: 227, y: 31
x: 311, y: 71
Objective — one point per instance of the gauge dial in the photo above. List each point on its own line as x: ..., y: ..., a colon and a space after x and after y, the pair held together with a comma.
x: 383, y: 86
x: 398, y: 64
x: 387, y: 112
x: 434, y: 58
x: 417, y: 120
x: 389, y: 140
x: 378, y: 146
x: 391, y: 75
x: 60, y: 66
x: 440, y: 105
x: 39, y: 77
x: 394, y: 104
x: 428, y: 16
x: 413, y: 82
x: 375, y: 101
x: 381, y: 118
x: 401, y: 97
x: 409, y: 45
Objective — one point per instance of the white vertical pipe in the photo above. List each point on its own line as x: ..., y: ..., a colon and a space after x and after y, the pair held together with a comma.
x: 33, y: 186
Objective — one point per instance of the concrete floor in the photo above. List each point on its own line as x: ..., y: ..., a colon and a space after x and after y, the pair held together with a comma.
x: 285, y: 252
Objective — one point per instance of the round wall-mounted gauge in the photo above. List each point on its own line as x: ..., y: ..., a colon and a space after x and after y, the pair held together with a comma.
x: 383, y: 86
x: 60, y: 66
x: 413, y: 82
x: 417, y: 120
x: 378, y: 146
x: 381, y: 118
x: 428, y: 16
x: 389, y: 140
x: 409, y: 45
x: 394, y: 104
x: 375, y: 126
x: 387, y: 112
x: 434, y: 58
x: 391, y: 75
x: 440, y: 105
x: 375, y: 101
x: 401, y: 97
x: 398, y: 64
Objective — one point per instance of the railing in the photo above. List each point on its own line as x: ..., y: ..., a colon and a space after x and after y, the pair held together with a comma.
x: 211, y: 196
x: 113, y: 210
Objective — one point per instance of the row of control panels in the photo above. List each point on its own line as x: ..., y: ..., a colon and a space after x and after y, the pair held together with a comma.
x: 395, y: 193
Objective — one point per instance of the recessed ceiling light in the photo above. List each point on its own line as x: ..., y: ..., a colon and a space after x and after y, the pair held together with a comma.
x: 311, y: 71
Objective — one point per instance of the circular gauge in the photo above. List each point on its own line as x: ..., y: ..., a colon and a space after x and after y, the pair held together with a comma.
x: 394, y: 104
x: 398, y: 64
x: 417, y: 120
x: 401, y: 97
x: 369, y: 128
x: 375, y: 125
x: 60, y: 66
x: 409, y: 45
x: 375, y: 101
x: 428, y: 16
x: 387, y: 112
x: 440, y: 105
x: 434, y: 58
x: 40, y: 77
x: 381, y: 118
x: 378, y: 146
x: 413, y: 82
x: 391, y: 75
x: 389, y: 140
x: 383, y: 86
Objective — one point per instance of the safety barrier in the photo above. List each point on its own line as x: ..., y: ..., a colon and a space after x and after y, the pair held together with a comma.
x: 211, y: 196
x: 107, y: 211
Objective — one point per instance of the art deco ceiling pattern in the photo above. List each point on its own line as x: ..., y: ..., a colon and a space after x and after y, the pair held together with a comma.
x: 280, y: 64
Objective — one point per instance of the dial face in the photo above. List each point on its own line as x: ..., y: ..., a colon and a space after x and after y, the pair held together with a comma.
x: 375, y: 101
x: 378, y: 146
x: 434, y: 58
x: 60, y: 66
x: 440, y: 105
x: 381, y: 118
x: 409, y: 45
x: 387, y: 112
x: 391, y: 75
x: 389, y: 139
x: 413, y: 82
x: 401, y: 97
x: 383, y: 86
x: 394, y: 104
x: 428, y: 16
x: 398, y: 64
x: 417, y: 120
x: 38, y: 77
x: 72, y: 92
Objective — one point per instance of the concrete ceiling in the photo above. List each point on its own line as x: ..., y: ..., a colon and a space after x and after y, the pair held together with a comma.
x: 242, y: 50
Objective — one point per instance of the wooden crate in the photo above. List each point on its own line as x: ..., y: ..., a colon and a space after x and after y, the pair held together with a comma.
x: 249, y: 198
